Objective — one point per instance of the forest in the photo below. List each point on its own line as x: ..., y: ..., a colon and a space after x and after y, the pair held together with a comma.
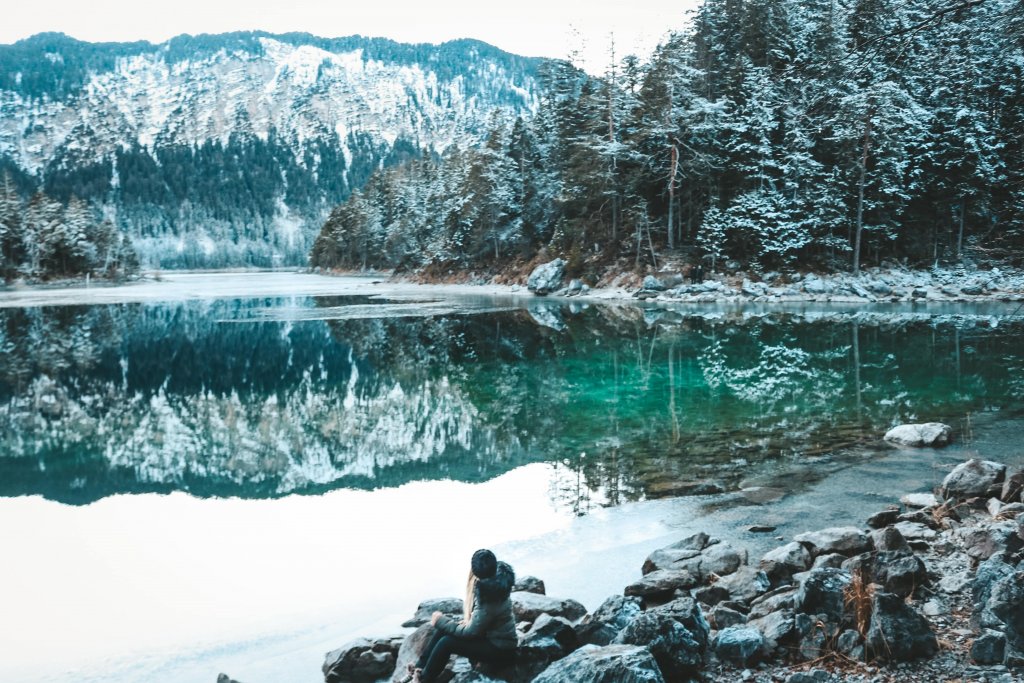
x: 43, y: 238
x: 769, y: 134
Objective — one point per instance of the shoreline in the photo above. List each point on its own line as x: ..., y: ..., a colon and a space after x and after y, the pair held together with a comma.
x: 872, y: 288
x: 761, y: 620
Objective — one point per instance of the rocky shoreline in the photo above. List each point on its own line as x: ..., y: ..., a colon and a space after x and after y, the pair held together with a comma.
x: 929, y: 589
x: 874, y: 285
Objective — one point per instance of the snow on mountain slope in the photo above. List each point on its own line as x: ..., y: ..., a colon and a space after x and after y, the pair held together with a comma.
x: 304, y: 92
x: 230, y: 150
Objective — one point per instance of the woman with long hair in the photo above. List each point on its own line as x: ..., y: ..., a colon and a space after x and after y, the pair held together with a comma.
x: 487, y: 631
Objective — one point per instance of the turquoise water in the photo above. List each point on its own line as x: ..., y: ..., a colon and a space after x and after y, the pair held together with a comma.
x: 261, y: 398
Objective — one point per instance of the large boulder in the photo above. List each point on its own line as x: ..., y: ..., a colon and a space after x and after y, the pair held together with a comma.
x: 745, y: 584
x: 549, y: 639
x: 530, y: 584
x: 528, y: 606
x: 898, y: 571
x: 609, y: 664
x: 675, y: 633
x: 450, y: 606
x: 973, y: 478
x: 896, y: 632
x: 920, y: 435
x: 410, y: 650
x: 1004, y: 608
x: 602, y: 625
x: 780, y: 598
x: 675, y: 556
x: 823, y: 591
x: 546, y: 277
x: 777, y: 628
x: 1013, y: 488
x: 738, y: 645
x: 781, y: 563
x: 846, y: 540
x: 361, y: 661
x: 661, y: 584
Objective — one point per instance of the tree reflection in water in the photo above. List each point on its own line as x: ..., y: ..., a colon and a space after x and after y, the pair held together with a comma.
x: 627, y: 402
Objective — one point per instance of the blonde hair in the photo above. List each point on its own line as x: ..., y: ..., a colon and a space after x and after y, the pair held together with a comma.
x: 468, y: 603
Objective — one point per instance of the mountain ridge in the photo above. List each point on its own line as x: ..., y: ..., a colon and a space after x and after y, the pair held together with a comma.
x: 229, y: 149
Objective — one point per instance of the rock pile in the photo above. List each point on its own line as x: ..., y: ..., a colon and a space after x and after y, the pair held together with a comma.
x: 871, y: 603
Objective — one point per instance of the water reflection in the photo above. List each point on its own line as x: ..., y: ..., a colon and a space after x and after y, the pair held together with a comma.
x: 264, y: 397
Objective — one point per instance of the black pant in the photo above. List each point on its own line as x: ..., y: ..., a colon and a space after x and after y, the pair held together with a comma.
x: 435, y: 655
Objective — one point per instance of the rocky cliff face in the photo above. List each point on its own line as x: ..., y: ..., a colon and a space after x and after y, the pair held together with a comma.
x: 202, y: 143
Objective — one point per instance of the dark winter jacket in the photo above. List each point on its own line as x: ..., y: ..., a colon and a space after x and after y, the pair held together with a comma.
x: 492, y: 611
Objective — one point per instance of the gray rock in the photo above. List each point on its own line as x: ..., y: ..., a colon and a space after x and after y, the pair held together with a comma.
x: 720, y: 559
x: 920, y: 500
x: 913, y: 531
x: 778, y: 629
x: 989, y: 572
x: 897, y: 571
x: 831, y: 560
x: 738, y: 645
x: 973, y: 290
x: 711, y: 595
x: 676, y: 634
x: 889, y: 539
x: 973, y: 478
x: 720, y: 617
x: 529, y: 606
x: 814, y: 643
x: 529, y: 584
x: 677, y: 553
x: 1013, y: 488
x: 546, y: 277
x: 883, y: 518
x: 575, y: 287
x: 851, y: 644
x: 360, y: 661
x: 781, y: 563
x: 610, y: 664
x: 549, y: 639
x: 450, y: 606
x: 823, y: 592
x: 897, y: 632
x: 224, y: 678
x: 986, y: 540
x: 745, y: 584
x: 989, y: 648
x: 661, y: 583
x: 847, y: 540
x: 920, y: 435
x: 601, y: 626
x: 780, y: 598
x: 410, y: 650
x: 1006, y: 604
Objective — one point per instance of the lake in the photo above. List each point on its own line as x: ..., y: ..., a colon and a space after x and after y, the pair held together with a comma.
x: 238, y: 472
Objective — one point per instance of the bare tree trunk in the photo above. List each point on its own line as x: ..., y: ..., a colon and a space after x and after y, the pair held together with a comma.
x: 860, y: 192
x: 673, y: 167
x: 960, y: 236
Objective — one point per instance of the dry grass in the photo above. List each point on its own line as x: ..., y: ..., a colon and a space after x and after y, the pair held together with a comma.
x: 857, y: 597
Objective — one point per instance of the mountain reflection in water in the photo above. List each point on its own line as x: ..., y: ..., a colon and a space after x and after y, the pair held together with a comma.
x: 266, y: 397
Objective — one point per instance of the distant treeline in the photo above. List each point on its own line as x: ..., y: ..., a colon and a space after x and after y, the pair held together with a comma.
x: 42, y: 238
x: 776, y: 133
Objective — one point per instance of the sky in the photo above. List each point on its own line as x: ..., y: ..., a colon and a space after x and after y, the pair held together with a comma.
x: 542, y: 28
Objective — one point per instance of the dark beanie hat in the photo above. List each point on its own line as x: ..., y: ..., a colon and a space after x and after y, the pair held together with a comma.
x: 484, y: 564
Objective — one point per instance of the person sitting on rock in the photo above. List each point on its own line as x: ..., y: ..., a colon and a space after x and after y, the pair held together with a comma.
x: 487, y: 632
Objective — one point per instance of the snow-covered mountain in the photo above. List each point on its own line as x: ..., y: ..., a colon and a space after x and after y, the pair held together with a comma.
x: 230, y: 148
